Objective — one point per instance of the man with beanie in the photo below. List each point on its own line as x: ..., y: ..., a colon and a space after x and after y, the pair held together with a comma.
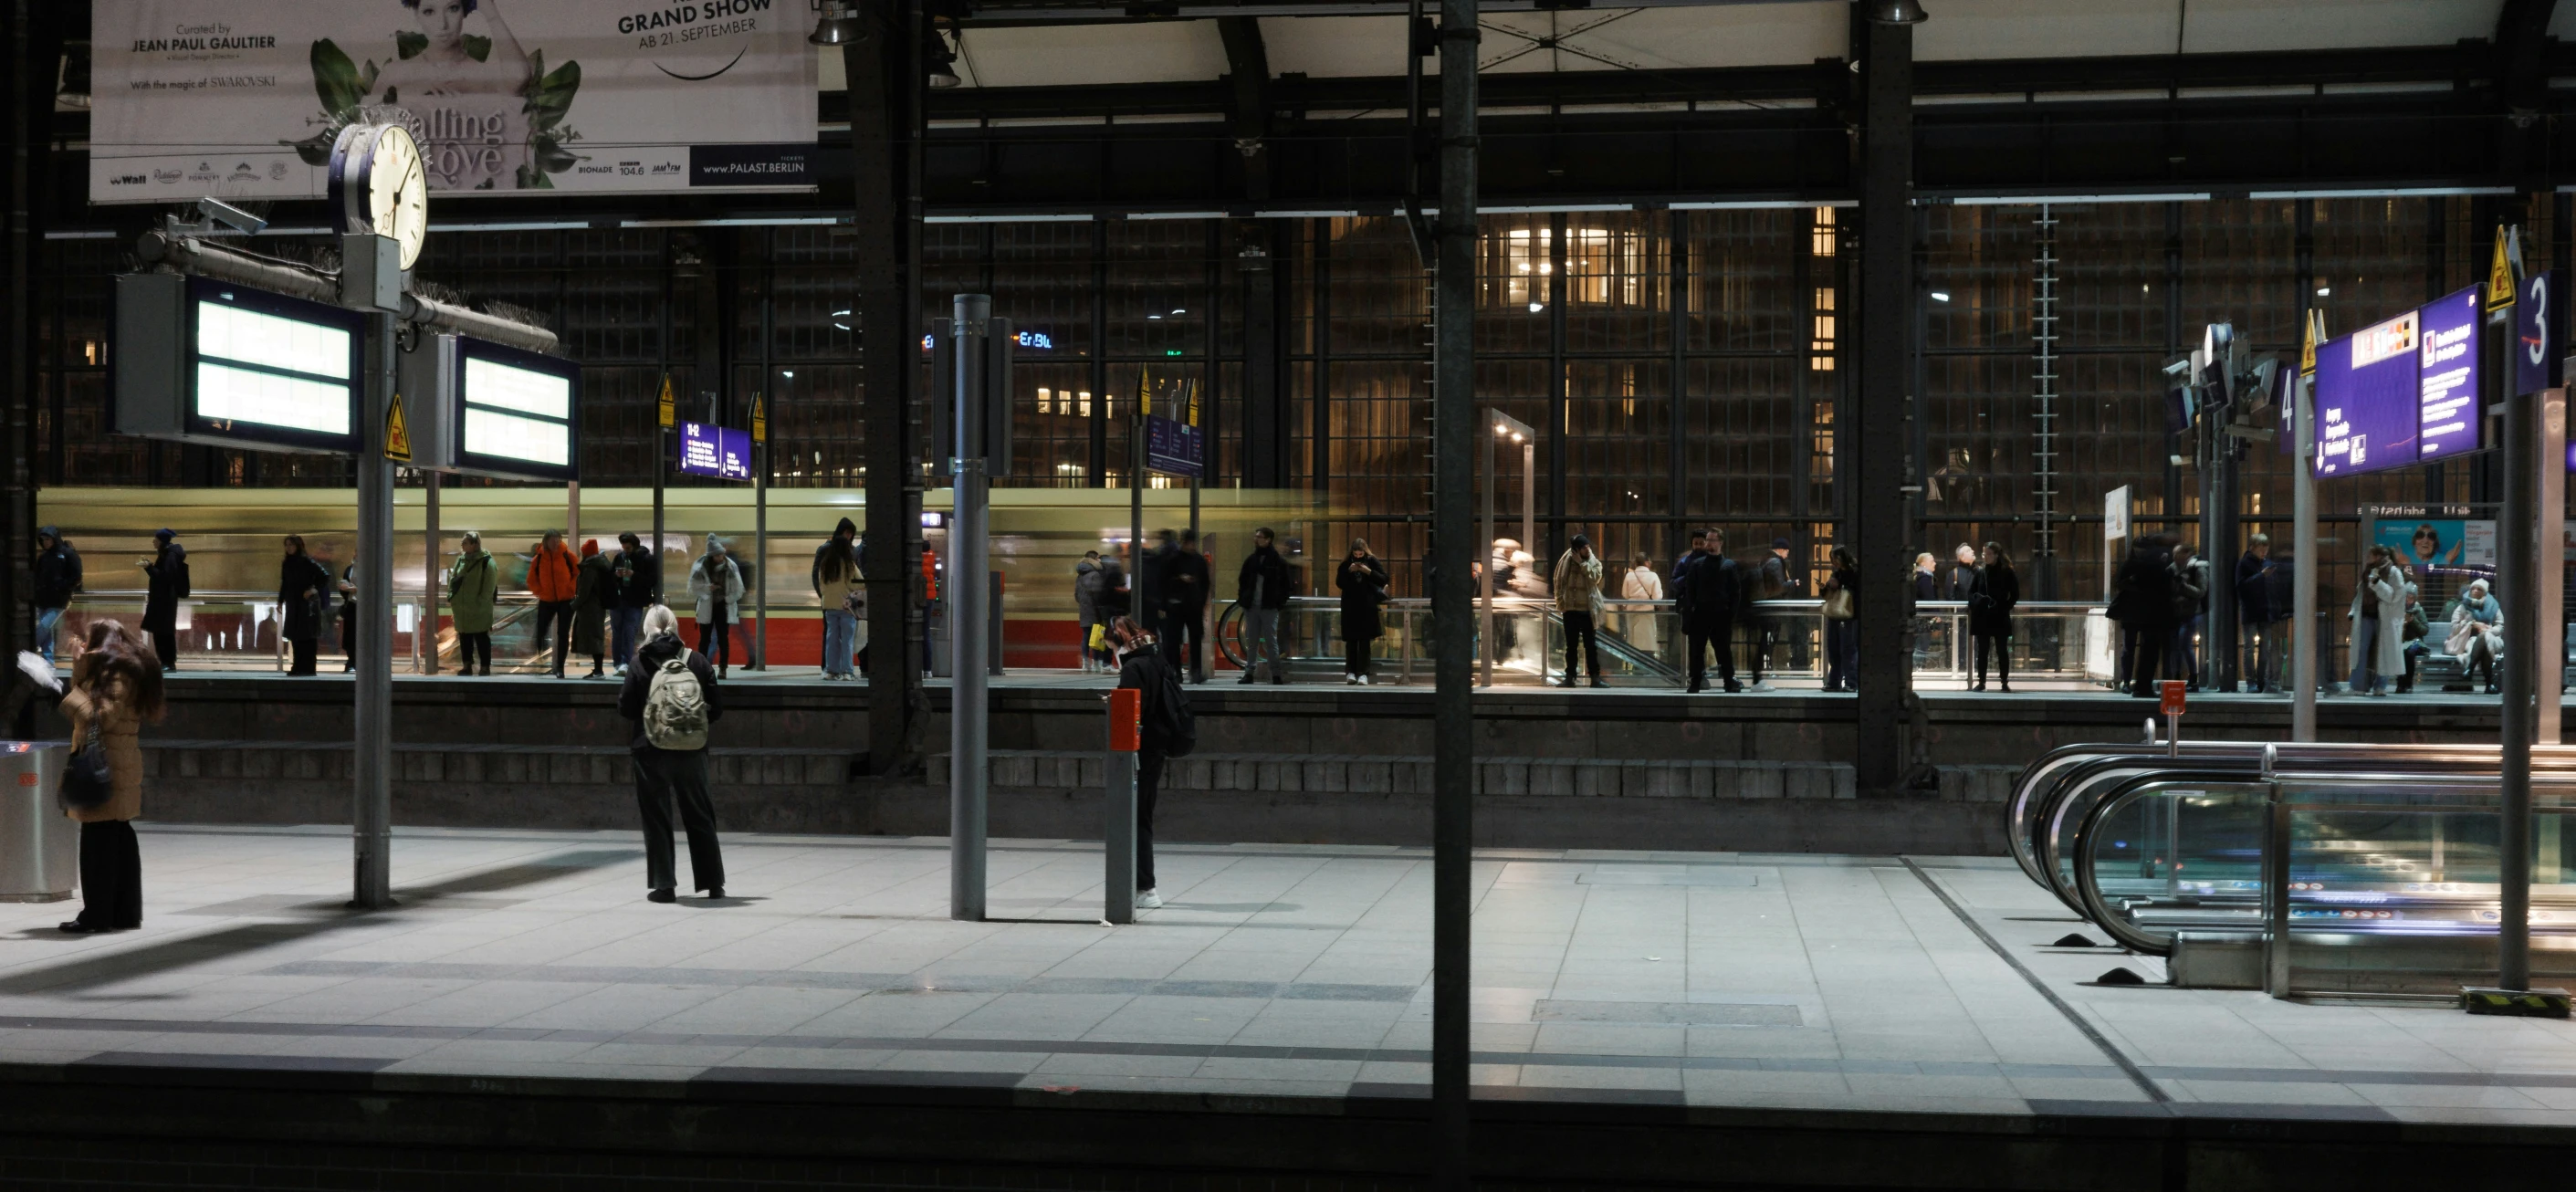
x: 1578, y: 600
x: 166, y: 574
x: 554, y: 577
x: 58, y: 575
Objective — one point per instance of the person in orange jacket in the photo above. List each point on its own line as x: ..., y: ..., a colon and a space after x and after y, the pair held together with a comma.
x: 553, y: 578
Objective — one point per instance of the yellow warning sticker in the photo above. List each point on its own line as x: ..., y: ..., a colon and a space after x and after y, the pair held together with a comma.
x: 668, y: 410
x: 397, y: 433
x: 2308, y: 349
x: 2500, y: 273
x: 759, y: 419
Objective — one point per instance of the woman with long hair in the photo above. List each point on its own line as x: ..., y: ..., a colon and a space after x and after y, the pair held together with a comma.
x: 303, y: 592
x: 1362, y: 582
x: 115, y: 687
x: 1990, y: 607
x: 1842, y: 635
x: 837, y: 585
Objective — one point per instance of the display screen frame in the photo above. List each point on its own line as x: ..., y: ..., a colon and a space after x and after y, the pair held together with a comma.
x: 469, y: 350
x: 203, y: 291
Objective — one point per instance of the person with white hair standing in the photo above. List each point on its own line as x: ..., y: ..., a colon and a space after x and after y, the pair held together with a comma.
x: 670, y: 693
x: 716, y: 583
x: 2477, y: 632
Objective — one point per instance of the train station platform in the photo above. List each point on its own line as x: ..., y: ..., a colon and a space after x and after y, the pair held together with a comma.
x: 1641, y: 1019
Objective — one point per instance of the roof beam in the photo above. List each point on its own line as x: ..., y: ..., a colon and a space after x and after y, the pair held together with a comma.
x: 1248, y: 70
x: 2522, y: 53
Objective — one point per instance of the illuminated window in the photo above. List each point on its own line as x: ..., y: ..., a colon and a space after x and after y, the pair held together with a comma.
x: 1045, y: 404
x: 1822, y: 345
x: 1824, y: 235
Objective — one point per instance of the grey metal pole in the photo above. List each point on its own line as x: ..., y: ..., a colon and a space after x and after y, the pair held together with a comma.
x: 1493, y: 480
x: 2518, y: 567
x: 371, y: 803
x: 760, y: 560
x: 1454, y: 423
x: 661, y: 465
x: 427, y: 638
x: 2303, y: 564
x: 2549, y: 679
x: 967, y: 707
x: 1136, y: 511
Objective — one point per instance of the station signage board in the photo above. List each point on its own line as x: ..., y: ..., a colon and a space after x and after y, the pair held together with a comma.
x: 516, y: 413
x: 202, y: 361
x: 718, y: 451
x: 2401, y: 392
x: 1174, y: 447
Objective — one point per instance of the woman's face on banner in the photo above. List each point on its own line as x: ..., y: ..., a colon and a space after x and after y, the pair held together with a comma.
x: 2427, y: 544
x: 443, y: 22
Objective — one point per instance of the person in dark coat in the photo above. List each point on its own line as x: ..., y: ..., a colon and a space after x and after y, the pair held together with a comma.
x: 1842, y: 637
x: 2142, y: 602
x: 1181, y: 592
x: 166, y: 574
x: 663, y: 776
x: 1990, y: 609
x: 57, y: 576
x: 348, y: 586
x: 1262, y: 588
x: 2255, y: 615
x: 639, y: 587
x: 303, y: 593
x: 1706, y: 594
x: 1142, y: 666
x: 114, y: 690
x: 594, y: 592
x: 1362, y: 581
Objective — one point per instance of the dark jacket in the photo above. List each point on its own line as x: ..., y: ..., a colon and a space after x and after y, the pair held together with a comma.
x: 1263, y: 582
x: 303, y: 615
x: 2254, y: 591
x: 1991, y: 602
x: 649, y: 658
x: 1771, y: 581
x: 166, y: 575
x: 58, y: 571
x: 592, y: 595
x: 1963, y: 580
x: 2190, y: 589
x: 1708, y: 590
x: 1143, y: 670
x: 1181, y: 581
x: 639, y: 589
x: 2142, y: 592
x: 1362, y: 582
x: 1927, y: 586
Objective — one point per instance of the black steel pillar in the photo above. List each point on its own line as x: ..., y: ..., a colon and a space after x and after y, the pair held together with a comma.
x: 1453, y: 399
x: 1557, y: 291
x: 1098, y: 473
x: 1878, y: 508
x: 1265, y: 413
x: 885, y: 113
x: 17, y: 483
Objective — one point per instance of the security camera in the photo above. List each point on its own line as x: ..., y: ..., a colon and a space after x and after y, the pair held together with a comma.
x: 230, y: 216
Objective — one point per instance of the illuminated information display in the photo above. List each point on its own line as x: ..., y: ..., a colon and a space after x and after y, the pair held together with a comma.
x: 517, y: 413
x: 2402, y: 392
x: 202, y: 361
x: 718, y: 451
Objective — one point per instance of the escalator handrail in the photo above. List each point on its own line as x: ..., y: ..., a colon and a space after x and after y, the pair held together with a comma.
x: 2088, y: 897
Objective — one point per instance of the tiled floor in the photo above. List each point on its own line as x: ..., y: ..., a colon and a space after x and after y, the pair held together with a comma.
x: 1708, y: 979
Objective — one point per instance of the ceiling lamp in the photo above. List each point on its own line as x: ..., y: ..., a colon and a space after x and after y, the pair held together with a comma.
x: 839, y: 25
x: 1895, y: 12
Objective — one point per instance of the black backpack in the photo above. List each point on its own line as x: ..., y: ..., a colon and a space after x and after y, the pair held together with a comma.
x: 1170, y: 729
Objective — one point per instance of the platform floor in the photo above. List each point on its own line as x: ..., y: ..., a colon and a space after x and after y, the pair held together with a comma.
x: 1701, y: 979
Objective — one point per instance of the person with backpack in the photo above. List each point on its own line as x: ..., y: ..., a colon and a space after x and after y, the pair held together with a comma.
x: 1706, y: 594
x: 57, y: 576
x: 166, y: 576
x: 554, y: 578
x: 473, y: 584
x: 1578, y: 602
x: 670, y: 694
x: 1170, y: 730
x: 1770, y: 582
x: 838, y: 589
x: 303, y: 603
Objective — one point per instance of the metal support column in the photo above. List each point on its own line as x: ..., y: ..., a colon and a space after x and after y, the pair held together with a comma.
x: 1887, y: 320
x: 371, y: 803
x: 2304, y: 645
x: 2518, y: 570
x: 1453, y: 715
x: 426, y: 641
x: 968, y: 634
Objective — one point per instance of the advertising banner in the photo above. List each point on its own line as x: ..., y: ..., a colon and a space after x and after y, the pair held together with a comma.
x: 242, y: 98
x: 2438, y: 542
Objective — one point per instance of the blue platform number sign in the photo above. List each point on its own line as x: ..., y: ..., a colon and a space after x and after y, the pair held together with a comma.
x: 1174, y: 447
x: 718, y: 451
x: 2535, y: 350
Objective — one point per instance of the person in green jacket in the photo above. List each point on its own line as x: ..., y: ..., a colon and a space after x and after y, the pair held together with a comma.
x: 471, y: 586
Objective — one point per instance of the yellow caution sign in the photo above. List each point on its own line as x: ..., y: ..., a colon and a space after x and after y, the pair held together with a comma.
x: 2308, y: 349
x: 2502, y: 271
x: 759, y: 419
x: 397, y: 433
x: 1194, y: 402
x: 669, y: 411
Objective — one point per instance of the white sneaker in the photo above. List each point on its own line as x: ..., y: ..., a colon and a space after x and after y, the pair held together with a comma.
x: 1147, y: 900
x: 1762, y: 686
x: 1364, y: 680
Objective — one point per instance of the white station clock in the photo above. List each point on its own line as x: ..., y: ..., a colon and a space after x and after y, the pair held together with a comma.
x: 378, y: 185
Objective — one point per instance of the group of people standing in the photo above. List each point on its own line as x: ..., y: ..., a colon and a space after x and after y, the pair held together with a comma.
x: 1986, y: 582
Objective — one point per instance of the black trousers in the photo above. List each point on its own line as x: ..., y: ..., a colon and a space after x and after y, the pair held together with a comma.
x: 2142, y: 655
x: 165, y: 642
x: 1720, y: 633
x: 2002, y: 647
x: 557, y: 613
x: 716, y: 629
x: 1760, y: 636
x: 1355, y: 655
x: 1149, y: 780
x: 306, y: 648
x: 1579, y: 628
x: 470, y: 646
x: 111, y: 876
x: 349, y: 634
x: 663, y: 776
x: 1180, y: 633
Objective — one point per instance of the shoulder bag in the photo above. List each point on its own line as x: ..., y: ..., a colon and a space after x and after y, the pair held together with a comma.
x: 86, y: 781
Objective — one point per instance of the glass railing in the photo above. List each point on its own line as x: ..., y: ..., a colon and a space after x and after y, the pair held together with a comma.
x: 240, y: 631
x: 1643, y: 643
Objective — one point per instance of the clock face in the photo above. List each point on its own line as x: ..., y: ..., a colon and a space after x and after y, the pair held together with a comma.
x: 398, y: 191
